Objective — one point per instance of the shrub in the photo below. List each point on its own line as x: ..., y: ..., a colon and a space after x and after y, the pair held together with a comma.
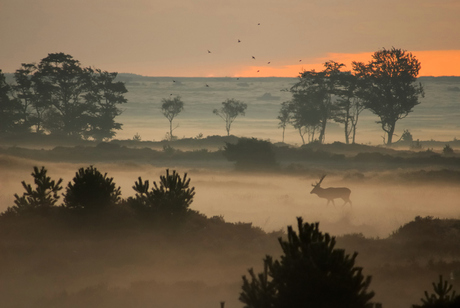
x: 91, y: 190
x: 251, y: 154
x: 447, y: 150
x: 311, y: 273
x: 170, y: 198
x: 42, y: 198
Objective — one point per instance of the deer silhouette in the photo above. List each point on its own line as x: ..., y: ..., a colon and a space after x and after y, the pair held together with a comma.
x: 331, y: 193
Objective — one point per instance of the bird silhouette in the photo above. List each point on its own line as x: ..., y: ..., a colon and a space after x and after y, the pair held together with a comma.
x: 253, y: 57
x: 207, y: 86
x: 209, y: 51
x: 174, y: 81
x: 258, y: 24
x: 257, y: 71
x: 300, y: 60
x: 268, y: 62
x: 239, y: 41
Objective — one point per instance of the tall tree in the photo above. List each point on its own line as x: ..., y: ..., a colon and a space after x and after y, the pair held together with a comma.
x: 10, y: 109
x: 349, y: 105
x: 389, y: 87
x: 317, y: 90
x: 104, y: 95
x: 62, y: 80
x: 230, y: 110
x: 284, y: 116
x: 34, y: 102
x: 171, y: 108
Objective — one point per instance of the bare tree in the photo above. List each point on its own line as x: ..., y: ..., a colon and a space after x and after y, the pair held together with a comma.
x: 230, y: 109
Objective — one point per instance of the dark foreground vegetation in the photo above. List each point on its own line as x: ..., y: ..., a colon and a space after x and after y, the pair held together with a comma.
x: 93, y: 248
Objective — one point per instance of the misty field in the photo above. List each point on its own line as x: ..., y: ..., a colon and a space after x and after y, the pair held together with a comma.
x: 239, y: 216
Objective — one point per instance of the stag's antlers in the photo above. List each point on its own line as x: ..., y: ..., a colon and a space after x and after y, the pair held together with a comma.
x: 320, y: 180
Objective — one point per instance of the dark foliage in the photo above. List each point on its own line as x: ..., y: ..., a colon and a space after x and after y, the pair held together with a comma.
x: 311, y: 273
x: 41, y: 199
x: 170, y: 198
x: 251, y: 154
x: 441, y: 298
x: 91, y: 191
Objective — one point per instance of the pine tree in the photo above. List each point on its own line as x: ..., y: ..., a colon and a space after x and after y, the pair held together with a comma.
x: 311, y: 273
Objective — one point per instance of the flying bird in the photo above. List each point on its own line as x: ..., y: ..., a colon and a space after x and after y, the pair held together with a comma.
x: 258, y: 24
x: 253, y: 57
x: 209, y: 51
x: 207, y: 85
x: 257, y: 71
x: 268, y: 62
x: 239, y: 41
x: 300, y: 60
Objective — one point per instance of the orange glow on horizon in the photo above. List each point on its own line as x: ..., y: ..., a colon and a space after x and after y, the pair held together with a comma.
x: 434, y: 63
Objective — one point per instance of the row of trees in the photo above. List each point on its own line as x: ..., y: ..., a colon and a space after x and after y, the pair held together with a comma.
x: 386, y: 86
x: 230, y: 110
x: 58, y: 96
x: 93, y: 193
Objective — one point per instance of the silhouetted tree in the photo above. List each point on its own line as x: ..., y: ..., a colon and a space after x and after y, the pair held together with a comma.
x: 442, y: 296
x: 284, y: 116
x: 104, y: 95
x: 33, y: 102
x: 42, y: 198
x: 10, y: 109
x: 91, y: 191
x: 171, y: 107
x: 61, y: 97
x: 313, y: 98
x: 170, y: 198
x: 311, y: 273
x: 388, y: 87
x: 229, y: 111
x: 62, y: 82
x: 251, y: 154
x: 349, y: 105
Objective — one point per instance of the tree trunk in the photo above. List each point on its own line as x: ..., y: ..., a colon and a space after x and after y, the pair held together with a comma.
x: 284, y: 128
x: 170, y: 131
x: 390, y: 134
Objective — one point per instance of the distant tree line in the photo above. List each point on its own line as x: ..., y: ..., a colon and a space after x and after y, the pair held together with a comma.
x: 386, y: 86
x: 57, y: 96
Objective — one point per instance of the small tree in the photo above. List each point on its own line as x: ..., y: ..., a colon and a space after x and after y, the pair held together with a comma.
x: 447, y: 150
x: 42, y: 198
x: 230, y: 110
x: 388, y: 87
x: 91, y: 191
x: 171, y: 107
x: 170, y: 198
x: 311, y: 273
x: 442, y: 296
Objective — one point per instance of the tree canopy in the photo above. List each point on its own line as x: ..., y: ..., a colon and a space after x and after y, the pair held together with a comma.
x: 230, y: 110
x: 310, y: 273
x: 170, y: 108
x: 59, y: 96
x: 388, y: 86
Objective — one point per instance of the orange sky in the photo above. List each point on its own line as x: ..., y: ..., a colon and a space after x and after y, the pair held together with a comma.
x: 434, y: 63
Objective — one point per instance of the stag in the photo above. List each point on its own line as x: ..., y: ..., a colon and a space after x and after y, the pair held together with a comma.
x: 331, y: 193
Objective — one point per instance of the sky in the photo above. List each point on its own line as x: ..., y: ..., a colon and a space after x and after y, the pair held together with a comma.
x: 199, y: 38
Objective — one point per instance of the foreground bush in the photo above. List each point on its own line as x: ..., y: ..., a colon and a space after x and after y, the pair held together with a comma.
x: 311, y: 273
